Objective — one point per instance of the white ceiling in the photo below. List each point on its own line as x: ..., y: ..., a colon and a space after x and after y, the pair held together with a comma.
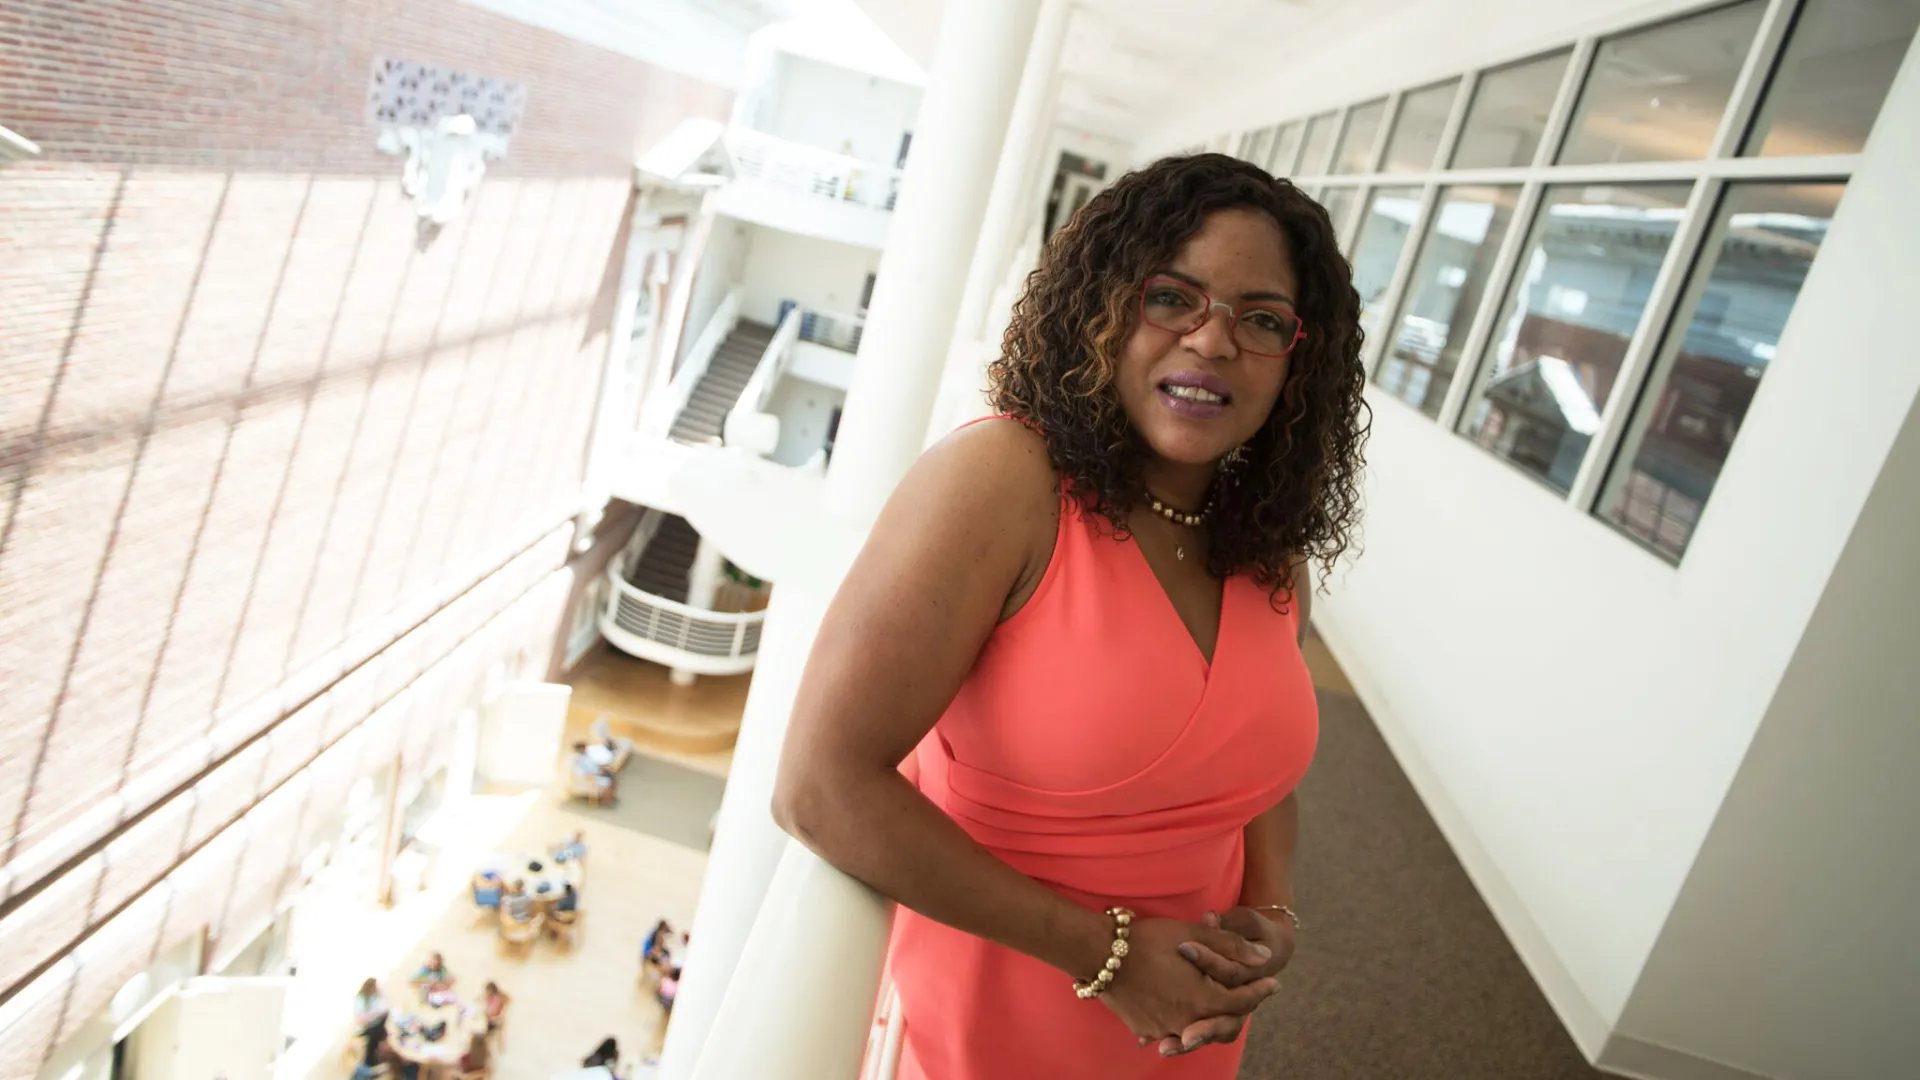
x: 1130, y: 64
x: 1127, y: 64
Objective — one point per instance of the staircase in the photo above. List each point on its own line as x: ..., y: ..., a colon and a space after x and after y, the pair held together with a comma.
x: 669, y: 555
x: 714, y: 395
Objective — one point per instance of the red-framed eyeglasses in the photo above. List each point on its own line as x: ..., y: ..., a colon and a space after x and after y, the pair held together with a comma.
x: 1261, y: 328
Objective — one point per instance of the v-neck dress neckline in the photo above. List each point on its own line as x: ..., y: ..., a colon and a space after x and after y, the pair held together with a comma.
x: 1172, y: 610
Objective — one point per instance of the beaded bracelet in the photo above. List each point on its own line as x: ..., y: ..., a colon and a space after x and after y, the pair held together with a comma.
x: 1122, y: 929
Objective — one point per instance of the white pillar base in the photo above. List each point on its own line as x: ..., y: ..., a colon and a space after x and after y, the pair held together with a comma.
x: 681, y: 676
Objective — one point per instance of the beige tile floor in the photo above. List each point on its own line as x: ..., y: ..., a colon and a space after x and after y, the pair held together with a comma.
x: 566, y: 1000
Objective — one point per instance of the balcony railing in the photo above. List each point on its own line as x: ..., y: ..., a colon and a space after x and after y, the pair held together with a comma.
x: 812, y: 171
x: 666, y: 632
x: 832, y: 329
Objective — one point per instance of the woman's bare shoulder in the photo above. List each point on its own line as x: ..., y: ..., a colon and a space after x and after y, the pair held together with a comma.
x: 998, y: 467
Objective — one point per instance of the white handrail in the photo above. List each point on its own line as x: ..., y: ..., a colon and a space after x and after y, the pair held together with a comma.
x: 813, y: 171
x: 816, y: 920
x: 679, y: 635
x: 680, y: 391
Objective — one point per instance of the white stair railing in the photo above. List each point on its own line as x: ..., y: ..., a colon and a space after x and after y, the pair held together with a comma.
x: 812, y: 171
x: 758, y: 392
x: 725, y: 317
x: 679, y: 635
x: 834, y: 329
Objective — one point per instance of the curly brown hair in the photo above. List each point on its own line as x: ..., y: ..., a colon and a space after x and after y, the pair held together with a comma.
x: 1295, y: 496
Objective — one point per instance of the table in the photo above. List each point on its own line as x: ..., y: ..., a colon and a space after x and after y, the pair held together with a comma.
x: 546, y: 884
x: 463, y: 1022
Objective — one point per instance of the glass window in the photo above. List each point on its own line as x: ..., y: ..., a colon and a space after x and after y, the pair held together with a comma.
x: 1376, y: 254
x: 1356, y: 142
x: 1508, y: 114
x: 1339, y: 203
x: 1835, y: 73
x: 1764, y: 240
x: 1286, y: 147
x: 1256, y: 147
x: 1317, y: 151
x: 1658, y: 94
x: 1448, y: 283
x: 1578, y: 292
x: 1415, y: 141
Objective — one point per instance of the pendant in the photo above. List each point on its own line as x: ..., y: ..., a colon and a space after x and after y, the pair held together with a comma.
x: 1180, y: 553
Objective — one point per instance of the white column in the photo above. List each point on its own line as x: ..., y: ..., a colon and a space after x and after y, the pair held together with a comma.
x: 963, y: 125
x: 1026, y: 138
x: 943, y: 197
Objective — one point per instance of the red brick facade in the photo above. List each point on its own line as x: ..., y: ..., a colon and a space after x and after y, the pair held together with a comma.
x: 250, y: 435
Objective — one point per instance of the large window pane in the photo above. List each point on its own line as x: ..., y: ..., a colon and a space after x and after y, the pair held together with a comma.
x: 1448, y: 283
x: 1658, y: 94
x: 1577, y: 296
x: 1685, y: 422
x: 1356, y: 142
x: 1376, y: 254
x: 1417, y: 125
x: 1339, y: 203
x: 1317, y: 152
x: 1508, y: 114
x: 1286, y: 147
x: 1833, y: 77
x: 1257, y: 146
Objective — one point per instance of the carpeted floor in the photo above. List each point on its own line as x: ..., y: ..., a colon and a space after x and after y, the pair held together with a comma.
x: 662, y: 799
x: 1402, y: 973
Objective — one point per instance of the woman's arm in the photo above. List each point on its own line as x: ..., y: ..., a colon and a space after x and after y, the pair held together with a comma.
x: 972, y: 522
x: 1270, y: 840
x: 968, y: 530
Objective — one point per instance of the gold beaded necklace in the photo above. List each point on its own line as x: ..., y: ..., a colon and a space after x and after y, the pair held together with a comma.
x: 1178, y: 517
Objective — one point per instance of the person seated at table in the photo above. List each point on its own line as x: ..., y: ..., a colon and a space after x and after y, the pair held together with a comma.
x: 607, y: 1054
x: 369, y: 1009
x: 518, y: 905
x: 495, y: 1002
x: 591, y: 772
x: 475, y: 1059
x: 650, y: 944
x: 569, y: 898
x: 433, y: 975
x: 572, y: 850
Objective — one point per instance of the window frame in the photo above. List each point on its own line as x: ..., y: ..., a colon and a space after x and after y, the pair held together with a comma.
x: 1708, y: 178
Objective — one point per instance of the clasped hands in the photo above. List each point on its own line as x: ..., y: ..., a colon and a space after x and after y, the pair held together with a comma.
x: 1186, y: 985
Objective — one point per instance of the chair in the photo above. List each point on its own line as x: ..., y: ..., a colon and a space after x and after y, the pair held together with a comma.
x: 519, y: 935
x: 588, y: 786
x: 487, y: 894
x: 565, y: 924
x: 622, y: 746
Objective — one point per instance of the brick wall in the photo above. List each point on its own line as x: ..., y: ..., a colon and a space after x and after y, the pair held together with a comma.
x: 250, y: 434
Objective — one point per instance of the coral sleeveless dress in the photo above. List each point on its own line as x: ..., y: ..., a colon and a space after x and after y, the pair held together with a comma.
x: 1096, y: 750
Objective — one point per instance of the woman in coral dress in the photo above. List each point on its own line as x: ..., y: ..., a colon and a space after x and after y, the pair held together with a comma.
x: 1058, y: 708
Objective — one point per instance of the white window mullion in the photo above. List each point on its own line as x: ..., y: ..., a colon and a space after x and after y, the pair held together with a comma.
x: 1638, y: 361
x: 1751, y: 83
x: 1402, y: 273
x: 1456, y: 121
x: 1389, y: 114
x: 1572, y: 81
x: 1492, y: 299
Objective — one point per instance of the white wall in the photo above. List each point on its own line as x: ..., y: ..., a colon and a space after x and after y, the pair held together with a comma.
x: 845, y: 111
x: 1572, y: 709
x: 818, y: 273
x: 805, y: 409
x: 1790, y: 951
x: 723, y: 265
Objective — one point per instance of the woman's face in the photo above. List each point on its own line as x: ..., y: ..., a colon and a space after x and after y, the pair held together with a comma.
x: 1195, y: 396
